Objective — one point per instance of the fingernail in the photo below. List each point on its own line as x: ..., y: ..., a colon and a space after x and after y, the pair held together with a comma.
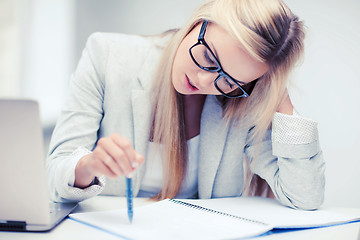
x: 134, y: 164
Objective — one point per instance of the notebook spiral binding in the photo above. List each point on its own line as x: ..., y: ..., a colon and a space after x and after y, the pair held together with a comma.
x: 214, y: 211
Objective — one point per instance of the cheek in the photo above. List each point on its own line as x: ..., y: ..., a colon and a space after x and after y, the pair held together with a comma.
x: 181, y: 62
x: 182, y: 54
x: 177, y: 68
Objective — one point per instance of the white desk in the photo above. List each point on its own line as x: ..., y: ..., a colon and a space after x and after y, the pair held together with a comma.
x: 70, y: 229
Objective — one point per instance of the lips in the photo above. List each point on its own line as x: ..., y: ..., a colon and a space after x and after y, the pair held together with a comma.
x: 190, y: 85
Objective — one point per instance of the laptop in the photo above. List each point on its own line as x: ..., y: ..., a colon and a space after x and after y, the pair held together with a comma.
x: 24, y: 200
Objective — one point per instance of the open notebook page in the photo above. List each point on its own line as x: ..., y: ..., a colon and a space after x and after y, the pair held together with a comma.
x: 168, y: 220
x: 272, y: 212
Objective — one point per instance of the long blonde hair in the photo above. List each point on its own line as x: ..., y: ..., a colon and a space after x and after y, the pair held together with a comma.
x: 271, y: 33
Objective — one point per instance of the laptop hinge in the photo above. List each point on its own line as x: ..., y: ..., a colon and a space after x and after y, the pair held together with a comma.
x: 12, y: 226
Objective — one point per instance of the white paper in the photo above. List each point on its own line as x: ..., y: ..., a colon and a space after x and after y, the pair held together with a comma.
x: 167, y: 220
x: 272, y: 212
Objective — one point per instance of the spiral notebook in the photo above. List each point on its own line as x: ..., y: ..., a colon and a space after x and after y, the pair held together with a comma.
x: 223, y: 218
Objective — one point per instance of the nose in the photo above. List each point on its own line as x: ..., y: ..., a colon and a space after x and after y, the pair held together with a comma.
x: 206, y: 79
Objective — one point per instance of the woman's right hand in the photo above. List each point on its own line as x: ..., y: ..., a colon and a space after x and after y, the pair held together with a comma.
x: 113, y: 156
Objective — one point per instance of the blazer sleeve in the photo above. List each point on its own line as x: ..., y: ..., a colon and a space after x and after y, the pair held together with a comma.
x: 78, y: 124
x: 291, y: 161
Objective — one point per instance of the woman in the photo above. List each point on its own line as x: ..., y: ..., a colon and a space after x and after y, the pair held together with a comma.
x: 198, y: 105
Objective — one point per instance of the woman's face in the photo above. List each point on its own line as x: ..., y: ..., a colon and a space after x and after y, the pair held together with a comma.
x: 188, y: 78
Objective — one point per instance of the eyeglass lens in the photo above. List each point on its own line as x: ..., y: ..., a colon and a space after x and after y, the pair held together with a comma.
x: 205, y: 59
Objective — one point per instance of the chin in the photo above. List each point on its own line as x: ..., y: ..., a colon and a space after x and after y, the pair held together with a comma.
x: 179, y: 89
x: 181, y: 92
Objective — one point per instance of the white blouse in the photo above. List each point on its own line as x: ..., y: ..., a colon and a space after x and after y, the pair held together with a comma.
x: 152, y: 181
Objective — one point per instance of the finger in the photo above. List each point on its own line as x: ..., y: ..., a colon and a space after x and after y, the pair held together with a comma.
x: 101, y: 169
x: 111, y: 149
x: 139, y: 160
x: 105, y: 164
x: 113, y: 166
x: 118, y: 156
x: 135, y: 164
x: 126, y: 146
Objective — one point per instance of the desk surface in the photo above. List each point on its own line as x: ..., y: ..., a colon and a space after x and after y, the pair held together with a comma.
x: 70, y: 229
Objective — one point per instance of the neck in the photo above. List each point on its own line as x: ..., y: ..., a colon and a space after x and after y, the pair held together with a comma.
x: 193, y: 105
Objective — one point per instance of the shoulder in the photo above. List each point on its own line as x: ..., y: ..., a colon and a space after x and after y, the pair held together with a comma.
x: 126, y: 53
x: 100, y: 40
x: 101, y: 43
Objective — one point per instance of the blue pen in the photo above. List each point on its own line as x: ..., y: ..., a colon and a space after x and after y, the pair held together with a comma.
x: 129, y: 198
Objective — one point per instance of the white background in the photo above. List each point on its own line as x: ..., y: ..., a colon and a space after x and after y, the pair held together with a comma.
x: 41, y: 42
x: 327, y: 88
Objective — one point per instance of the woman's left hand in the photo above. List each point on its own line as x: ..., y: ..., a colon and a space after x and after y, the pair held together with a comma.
x: 285, y: 105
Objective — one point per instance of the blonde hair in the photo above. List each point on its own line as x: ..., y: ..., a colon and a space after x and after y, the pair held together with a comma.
x: 271, y: 33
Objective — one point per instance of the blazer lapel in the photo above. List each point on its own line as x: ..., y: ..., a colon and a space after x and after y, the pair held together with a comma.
x: 213, y: 134
x: 142, y: 119
x: 142, y: 110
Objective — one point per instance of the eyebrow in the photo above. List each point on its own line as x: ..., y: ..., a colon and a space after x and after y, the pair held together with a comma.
x: 217, y: 56
x: 214, y: 50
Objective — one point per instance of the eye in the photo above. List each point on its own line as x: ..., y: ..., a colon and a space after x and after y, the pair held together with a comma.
x: 229, y: 83
x: 209, y: 58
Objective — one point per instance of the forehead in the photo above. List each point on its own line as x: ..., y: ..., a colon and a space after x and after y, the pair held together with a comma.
x: 233, y: 57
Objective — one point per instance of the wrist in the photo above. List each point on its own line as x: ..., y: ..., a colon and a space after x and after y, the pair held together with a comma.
x: 83, y: 176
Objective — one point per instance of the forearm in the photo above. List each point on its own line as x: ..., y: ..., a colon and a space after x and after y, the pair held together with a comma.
x: 83, y: 177
x: 300, y: 182
x: 300, y: 178
x: 291, y: 162
x: 61, y: 178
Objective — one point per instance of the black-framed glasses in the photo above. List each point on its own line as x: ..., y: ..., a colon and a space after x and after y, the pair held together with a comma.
x: 205, y: 59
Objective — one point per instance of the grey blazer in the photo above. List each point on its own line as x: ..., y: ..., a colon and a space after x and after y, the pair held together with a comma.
x: 110, y: 93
